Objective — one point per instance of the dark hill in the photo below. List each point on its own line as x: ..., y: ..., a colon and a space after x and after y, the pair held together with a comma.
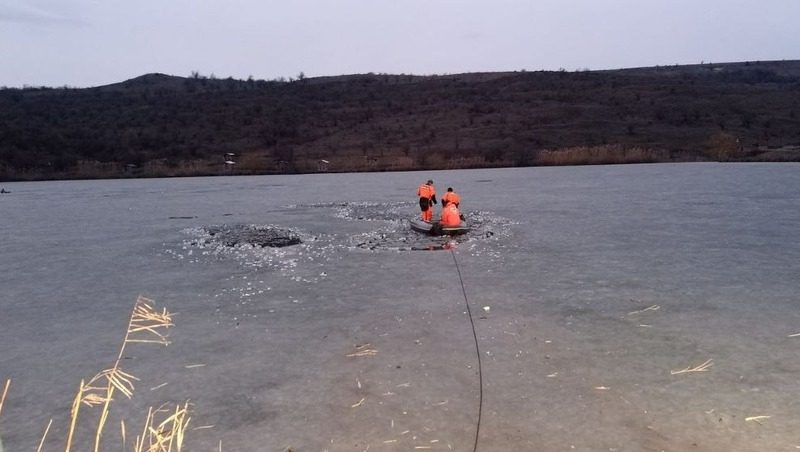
x: 161, y: 125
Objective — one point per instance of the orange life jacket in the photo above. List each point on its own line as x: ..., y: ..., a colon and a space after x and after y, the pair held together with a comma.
x: 451, y: 197
x: 426, y: 191
x: 450, y: 216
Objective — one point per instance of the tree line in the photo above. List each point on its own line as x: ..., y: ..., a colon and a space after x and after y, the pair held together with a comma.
x: 160, y: 125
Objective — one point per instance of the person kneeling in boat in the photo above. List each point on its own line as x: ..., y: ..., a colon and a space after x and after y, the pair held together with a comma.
x: 451, y: 217
x: 451, y: 196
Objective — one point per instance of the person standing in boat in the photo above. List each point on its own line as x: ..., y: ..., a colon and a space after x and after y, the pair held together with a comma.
x: 451, y: 197
x: 427, y: 198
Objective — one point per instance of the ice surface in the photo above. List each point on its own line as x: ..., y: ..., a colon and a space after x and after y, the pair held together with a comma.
x: 599, y: 282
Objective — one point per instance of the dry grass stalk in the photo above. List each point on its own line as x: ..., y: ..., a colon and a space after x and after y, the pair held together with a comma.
x: 655, y: 307
x: 122, y: 432
x: 5, y: 392
x: 145, y: 325
x: 756, y: 418
x: 46, y: 430
x: 116, y: 377
x: 139, y: 444
x: 73, y: 414
x: 2, y: 399
x: 146, y: 322
x: 699, y: 368
x: 367, y: 352
x: 363, y: 350
x: 164, y: 436
x: 794, y: 335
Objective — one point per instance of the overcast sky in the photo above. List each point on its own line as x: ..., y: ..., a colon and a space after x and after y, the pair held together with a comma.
x: 83, y: 43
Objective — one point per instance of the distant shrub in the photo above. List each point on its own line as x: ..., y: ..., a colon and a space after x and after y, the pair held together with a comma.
x: 595, y: 155
x: 723, y: 146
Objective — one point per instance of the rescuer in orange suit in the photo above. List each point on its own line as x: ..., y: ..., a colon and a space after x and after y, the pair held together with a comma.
x: 427, y: 198
x: 450, y: 196
x: 451, y: 217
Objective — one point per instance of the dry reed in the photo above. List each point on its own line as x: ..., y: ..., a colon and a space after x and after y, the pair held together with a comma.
x: 122, y: 432
x: 604, y: 154
x: 3, y: 399
x: 46, y: 430
x: 145, y: 325
x: 3, y: 396
x: 654, y: 307
x: 699, y: 368
x: 363, y: 350
x: 756, y: 419
x: 166, y: 435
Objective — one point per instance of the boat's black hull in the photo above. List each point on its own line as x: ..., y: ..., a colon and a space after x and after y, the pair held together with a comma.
x: 434, y: 228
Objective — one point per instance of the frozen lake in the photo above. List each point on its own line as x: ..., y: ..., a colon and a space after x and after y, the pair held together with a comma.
x: 600, y: 283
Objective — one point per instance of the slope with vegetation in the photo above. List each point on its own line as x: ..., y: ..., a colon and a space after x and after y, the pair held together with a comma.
x: 160, y: 125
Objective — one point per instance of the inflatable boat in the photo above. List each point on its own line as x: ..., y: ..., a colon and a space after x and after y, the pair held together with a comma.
x: 434, y: 228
